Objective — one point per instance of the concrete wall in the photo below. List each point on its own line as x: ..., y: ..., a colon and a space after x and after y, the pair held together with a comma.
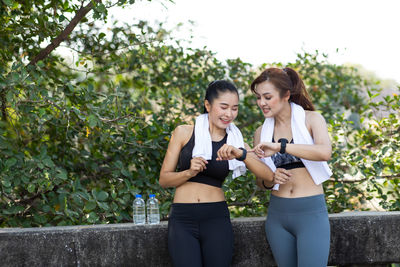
x: 357, y: 238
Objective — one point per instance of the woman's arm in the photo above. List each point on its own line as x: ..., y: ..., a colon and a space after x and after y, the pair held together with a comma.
x: 259, y: 168
x: 253, y: 163
x: 321, y: 150
x: 169, y: 177
x: 262, y: 183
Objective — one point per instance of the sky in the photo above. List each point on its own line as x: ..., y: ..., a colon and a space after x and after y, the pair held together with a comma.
x: 365, y: 32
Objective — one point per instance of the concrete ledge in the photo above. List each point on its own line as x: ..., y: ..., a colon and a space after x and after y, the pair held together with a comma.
x: 356, y: 238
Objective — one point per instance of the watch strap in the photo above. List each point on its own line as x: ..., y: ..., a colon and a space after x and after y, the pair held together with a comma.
x: 283, y: 142
x: 267, y: 187
x: 243, y: 157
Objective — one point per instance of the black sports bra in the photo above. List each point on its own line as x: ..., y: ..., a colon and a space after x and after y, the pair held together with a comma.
x: 286, y: 161
x: 216, y: 171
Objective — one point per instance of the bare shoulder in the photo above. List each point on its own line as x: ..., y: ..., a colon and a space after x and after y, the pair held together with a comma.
x: 313, y: 117
x: 184, y: 129
x: 182, y: 133
x: 258, y: 131
x: 257, y: 135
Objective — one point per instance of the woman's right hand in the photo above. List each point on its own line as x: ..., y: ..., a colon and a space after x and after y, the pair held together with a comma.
x: 266, y: 149
x: 197, y: 164
x: 282, y: 176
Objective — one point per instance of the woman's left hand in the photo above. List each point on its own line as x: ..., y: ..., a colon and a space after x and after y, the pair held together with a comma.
x: 266, y: 149
x: 228, y: 152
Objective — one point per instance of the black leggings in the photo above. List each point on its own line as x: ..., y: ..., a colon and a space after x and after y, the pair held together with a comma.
x: 200, y: 234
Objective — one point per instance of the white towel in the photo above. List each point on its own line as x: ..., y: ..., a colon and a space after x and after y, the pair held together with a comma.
x: 319, y: 170
x: 203, y: 144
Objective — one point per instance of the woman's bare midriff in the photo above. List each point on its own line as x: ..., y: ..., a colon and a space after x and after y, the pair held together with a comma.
x: 300, y: 185
x: 192, y: 192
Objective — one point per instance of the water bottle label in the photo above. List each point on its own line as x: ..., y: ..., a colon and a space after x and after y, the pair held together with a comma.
x: 139, y: 214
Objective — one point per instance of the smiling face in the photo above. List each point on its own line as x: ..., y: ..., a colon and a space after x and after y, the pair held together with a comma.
x: 269, y: 99
x: 223, y: 109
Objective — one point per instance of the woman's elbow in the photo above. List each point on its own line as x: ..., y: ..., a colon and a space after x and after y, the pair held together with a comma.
x: 162, y: 182
x: 327, y: 155
x: 267, y: 176
x: 162, y: 185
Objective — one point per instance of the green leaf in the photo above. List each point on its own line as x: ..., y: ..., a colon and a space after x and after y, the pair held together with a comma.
x: 61, y: 18
x: 90, y: 205
x: 9, y: 3
x: 92, y: 120
x: 92, y: 217
x: 385, y: 149
x: 6, y: 183
x: 103, y: 205
x: 125, y: 172
x: 48, y: 162
x: 11, y: 162
x: 9, y: 96
x: 25, y: 179
x: 101, y: 196
x: 62, y: 174
x: 31, y: 188
x: 118, y: 164
x: 14, y: 210
x: 84, y: 195
x: 46, y: 208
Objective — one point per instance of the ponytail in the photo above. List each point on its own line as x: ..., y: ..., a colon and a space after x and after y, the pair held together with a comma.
x: 298, y: 94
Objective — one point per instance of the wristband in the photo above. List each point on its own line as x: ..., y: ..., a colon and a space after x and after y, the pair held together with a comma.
x: 267, y: 187
x: 283, y: 142
x: 243, y: 157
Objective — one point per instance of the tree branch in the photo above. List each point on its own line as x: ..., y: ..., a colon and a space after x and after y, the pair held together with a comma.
x: 387, y: 177
x: 3, y: 105
x: 65, y: 33
x: 29, y: 201
x: 117, y: 119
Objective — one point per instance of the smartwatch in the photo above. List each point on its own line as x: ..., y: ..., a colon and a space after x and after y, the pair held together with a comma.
x: 283, y: 142
x: 243, y: 157
x: 267, y: 187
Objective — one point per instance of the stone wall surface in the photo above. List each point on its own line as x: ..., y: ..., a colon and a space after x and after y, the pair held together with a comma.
x: 363, y: 238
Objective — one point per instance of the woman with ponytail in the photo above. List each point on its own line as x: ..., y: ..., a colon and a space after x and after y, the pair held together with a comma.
x: 294, y: 142
x: 197, y: 161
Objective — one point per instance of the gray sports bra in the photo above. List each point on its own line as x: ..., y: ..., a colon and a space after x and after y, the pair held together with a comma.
x: 286, y: 161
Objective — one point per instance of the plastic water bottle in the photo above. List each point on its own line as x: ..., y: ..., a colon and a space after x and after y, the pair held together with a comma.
x: 139, y: 215
x: 153, y: 211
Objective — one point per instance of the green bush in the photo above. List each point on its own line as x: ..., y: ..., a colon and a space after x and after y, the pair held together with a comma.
x: 77, y: 143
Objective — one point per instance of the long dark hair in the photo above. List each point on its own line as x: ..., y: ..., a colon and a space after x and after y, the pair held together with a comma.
x: 216, y: 87
x: 285, y: 80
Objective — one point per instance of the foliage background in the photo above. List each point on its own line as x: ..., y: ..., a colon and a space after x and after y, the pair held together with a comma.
x: 79, y: 139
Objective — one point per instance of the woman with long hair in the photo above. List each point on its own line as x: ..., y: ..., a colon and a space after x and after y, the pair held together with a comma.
x: 294, y: 142
x: 197, y: 161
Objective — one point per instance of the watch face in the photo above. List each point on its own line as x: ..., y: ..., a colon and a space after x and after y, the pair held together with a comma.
x: 283, y: 142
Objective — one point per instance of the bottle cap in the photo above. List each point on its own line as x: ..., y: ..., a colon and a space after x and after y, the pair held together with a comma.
x: 138, y: 195
x: 152, y: 195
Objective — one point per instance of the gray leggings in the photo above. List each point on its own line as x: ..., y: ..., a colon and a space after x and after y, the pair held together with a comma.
x: 298, y: 231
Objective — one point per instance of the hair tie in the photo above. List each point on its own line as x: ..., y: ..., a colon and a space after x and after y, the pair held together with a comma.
x: 211, y: 83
